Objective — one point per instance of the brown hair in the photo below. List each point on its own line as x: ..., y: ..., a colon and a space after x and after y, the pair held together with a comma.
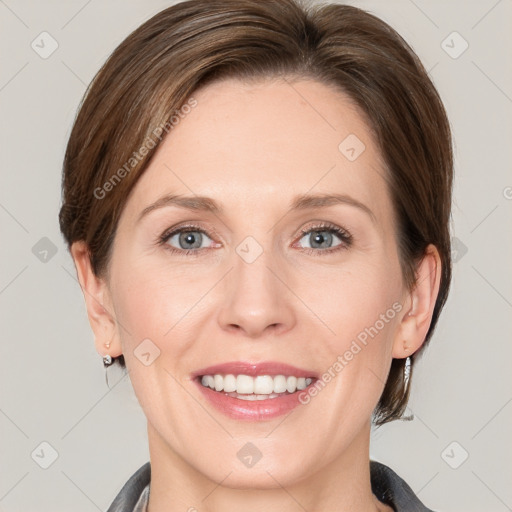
x: 141, y: 91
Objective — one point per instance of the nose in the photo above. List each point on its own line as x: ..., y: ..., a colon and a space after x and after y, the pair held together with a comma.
x: 256, y: 299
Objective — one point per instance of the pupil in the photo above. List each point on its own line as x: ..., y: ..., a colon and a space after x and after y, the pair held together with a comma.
x: 319, y: 238
x: 189, y: 238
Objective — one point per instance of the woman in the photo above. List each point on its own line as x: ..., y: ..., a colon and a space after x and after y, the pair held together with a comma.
x: 256, y: 196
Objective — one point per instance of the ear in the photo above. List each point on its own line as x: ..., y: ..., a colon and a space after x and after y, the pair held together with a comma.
x: 419, y: 305
x: 98, y: 302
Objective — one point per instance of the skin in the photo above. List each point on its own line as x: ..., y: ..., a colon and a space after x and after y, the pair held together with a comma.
x: 253, y: 148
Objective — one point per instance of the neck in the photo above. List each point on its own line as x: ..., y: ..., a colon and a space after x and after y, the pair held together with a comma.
x: 341, y: 485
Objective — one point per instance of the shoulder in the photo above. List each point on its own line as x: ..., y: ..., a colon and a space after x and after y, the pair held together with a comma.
x: 393, y: 490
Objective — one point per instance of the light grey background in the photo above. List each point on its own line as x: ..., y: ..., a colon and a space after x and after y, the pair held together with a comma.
x: 53, y: 386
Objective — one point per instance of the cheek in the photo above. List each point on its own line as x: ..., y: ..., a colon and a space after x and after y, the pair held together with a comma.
x: 362, y: 310
x: 165, y: 304
x: 358, y: 303
x: 155, y: 309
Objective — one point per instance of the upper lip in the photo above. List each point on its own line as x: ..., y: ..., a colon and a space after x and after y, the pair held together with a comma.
x: 272, y: 368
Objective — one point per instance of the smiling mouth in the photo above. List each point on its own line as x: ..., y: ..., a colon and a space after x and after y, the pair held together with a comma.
x: 260, y: 387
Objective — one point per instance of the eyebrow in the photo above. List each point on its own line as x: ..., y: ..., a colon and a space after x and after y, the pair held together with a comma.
x: 301, y: 202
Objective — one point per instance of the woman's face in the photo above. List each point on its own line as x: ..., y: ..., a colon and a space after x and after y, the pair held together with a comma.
x: 269, y: 283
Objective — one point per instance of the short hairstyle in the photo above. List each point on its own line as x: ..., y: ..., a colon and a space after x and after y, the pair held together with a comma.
x: 145, y: 87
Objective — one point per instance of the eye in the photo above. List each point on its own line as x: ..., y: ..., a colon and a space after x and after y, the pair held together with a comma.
x: 191, y: 240
x: 321, y: 237
x: 186, y: 240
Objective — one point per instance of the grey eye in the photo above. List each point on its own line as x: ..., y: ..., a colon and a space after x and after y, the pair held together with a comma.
x: 320, y: 239
x: 189, y: 240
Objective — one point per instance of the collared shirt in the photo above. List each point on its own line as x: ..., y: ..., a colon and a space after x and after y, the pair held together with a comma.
x: 386, y: 485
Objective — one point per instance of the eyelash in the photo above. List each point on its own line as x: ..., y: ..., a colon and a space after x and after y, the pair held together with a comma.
x: 342, y: 234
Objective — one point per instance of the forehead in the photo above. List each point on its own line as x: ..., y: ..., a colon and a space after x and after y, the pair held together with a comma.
x: 267, y: 141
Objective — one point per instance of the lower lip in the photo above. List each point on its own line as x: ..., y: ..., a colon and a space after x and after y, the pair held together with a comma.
x: 251, y: 410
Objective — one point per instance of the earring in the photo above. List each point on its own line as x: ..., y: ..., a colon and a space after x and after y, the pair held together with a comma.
x: 107, y: 360
x: 407, y: 371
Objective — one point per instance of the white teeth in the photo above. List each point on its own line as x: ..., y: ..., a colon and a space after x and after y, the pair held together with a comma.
x: 219, y: 382
x: 279, y: 384
x: 255, y: 388
x: 291, y: 384
x: 208, y: 381
x: 263, y: 385
x: 244, y: 385
x: 253, y: 397
x: 229, y: 383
